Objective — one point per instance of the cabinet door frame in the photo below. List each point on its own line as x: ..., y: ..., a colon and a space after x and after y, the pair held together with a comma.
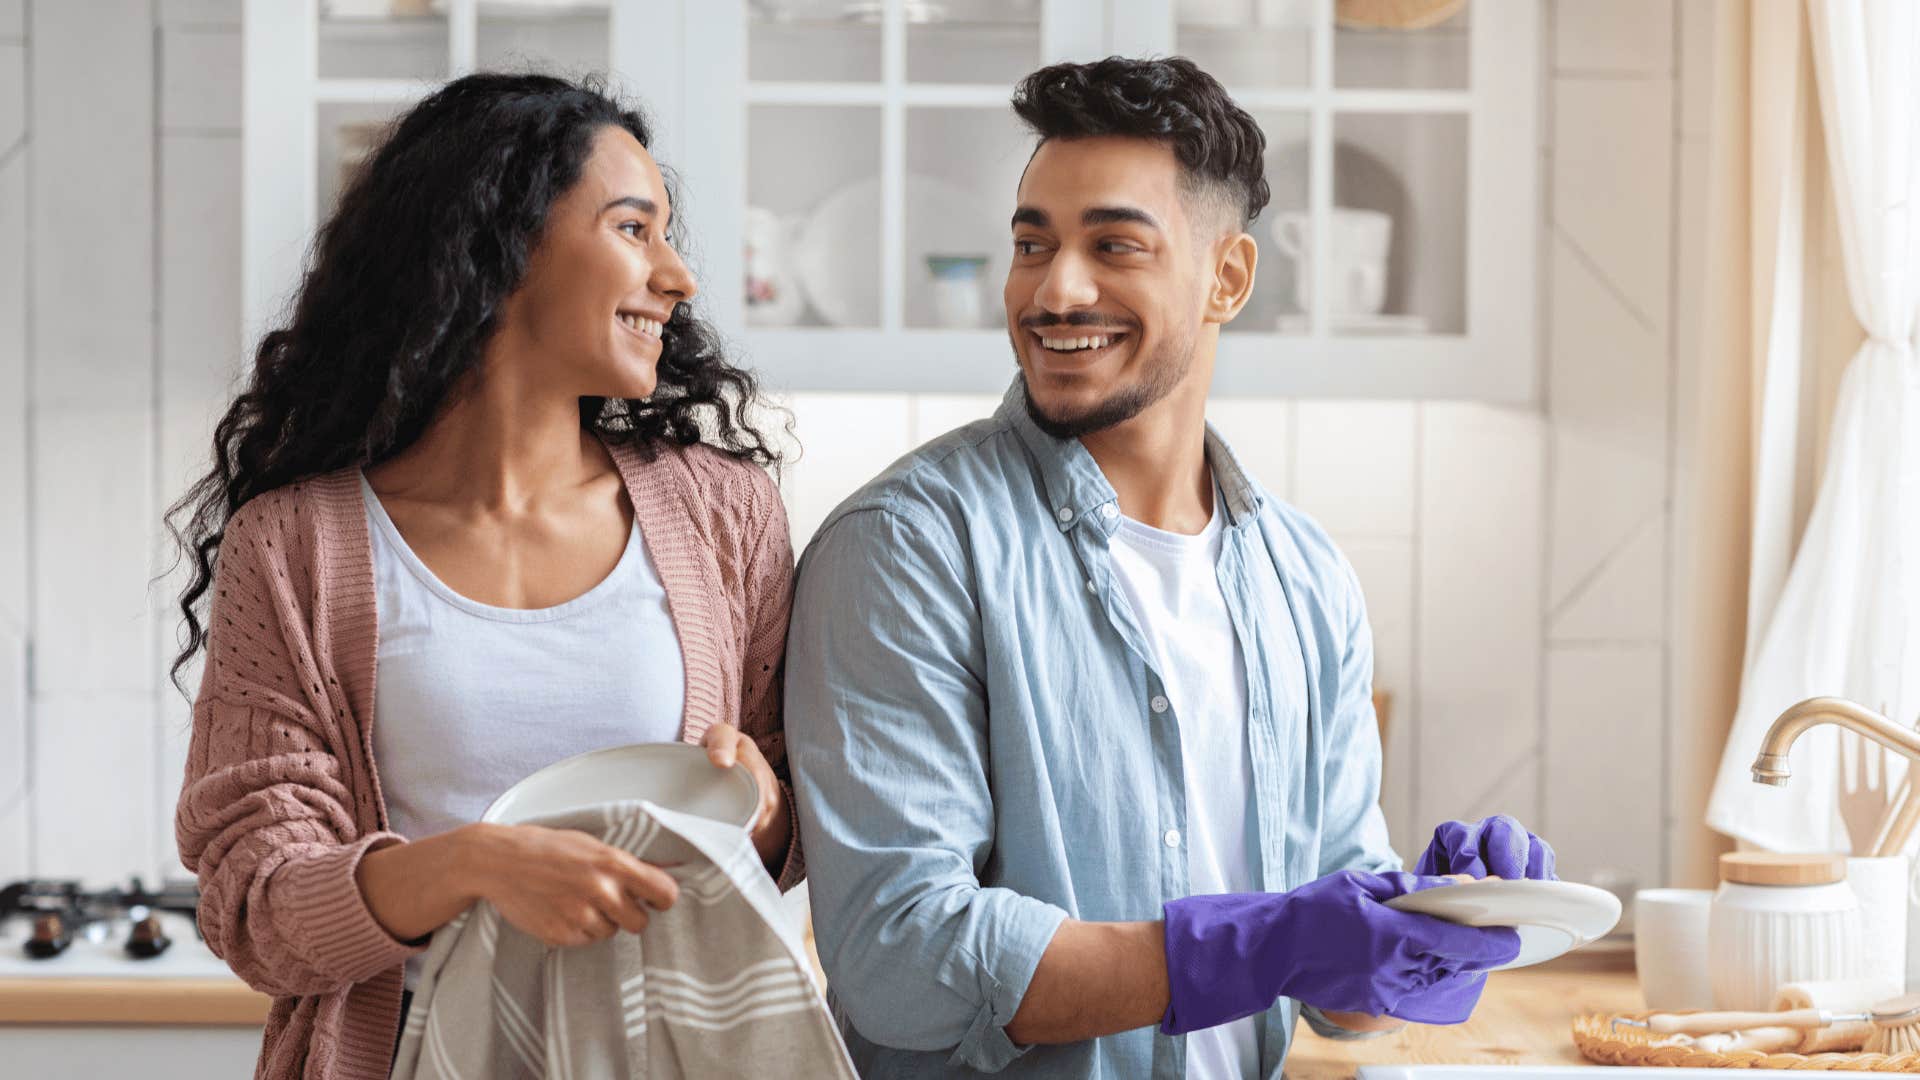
x: 686, y: 62
x: 1495, y: 360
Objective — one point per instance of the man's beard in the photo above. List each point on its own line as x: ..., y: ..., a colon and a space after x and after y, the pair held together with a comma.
x: 1164, y: 371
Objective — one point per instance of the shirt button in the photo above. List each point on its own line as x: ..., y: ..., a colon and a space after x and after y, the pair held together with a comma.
x: 1063, y: 515
x: 1091, y: 587
x: 1158, y: 704
x: 1109, y: 512
x: 1173, y: 837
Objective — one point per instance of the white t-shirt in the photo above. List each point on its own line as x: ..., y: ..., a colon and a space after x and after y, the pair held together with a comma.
x: 469, y: 698
x: 1171, y: 585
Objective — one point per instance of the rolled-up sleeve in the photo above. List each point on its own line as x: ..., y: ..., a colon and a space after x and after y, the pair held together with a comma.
x: 886, y: 713
x: 1353, y: 834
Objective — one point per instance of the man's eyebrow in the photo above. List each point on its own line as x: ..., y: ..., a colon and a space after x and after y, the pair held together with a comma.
x: 1027, y: 215
x: 1114, y: 215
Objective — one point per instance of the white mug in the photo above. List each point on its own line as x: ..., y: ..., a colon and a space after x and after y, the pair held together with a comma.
x: 1670, y: 947
x: 1881, y: 886
x: 1361, y: 242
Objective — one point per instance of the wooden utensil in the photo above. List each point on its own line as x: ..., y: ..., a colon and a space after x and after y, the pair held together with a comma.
x: 1864, y: 804
x: 1896, y: 1027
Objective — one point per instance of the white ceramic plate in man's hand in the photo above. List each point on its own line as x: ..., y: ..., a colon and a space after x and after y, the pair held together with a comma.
x: 677, y: 776
x: 1552, y: 917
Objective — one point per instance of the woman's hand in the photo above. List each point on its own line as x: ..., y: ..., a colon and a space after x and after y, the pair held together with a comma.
x: 725, y: 745
x: 561, y: 886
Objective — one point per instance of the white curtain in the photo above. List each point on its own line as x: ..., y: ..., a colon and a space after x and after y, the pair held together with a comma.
x: 1844, y: 619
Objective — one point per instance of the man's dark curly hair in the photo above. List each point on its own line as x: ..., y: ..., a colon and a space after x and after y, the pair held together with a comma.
x: 403, y: 289
x: 1220, y: 148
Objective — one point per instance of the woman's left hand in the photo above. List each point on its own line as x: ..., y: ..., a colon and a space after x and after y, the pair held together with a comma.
x: 726, y: 745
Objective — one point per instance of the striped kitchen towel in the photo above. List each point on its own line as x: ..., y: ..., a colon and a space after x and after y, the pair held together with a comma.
x: 715, y: 986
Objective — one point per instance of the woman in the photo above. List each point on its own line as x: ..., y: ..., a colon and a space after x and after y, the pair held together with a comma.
x: 494, y: 458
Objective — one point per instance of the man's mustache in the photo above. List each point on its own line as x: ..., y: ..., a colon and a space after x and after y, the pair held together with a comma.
x: 1088, y: 320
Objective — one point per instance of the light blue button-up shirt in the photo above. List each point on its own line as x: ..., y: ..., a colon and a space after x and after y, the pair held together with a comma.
x: 971, y: 723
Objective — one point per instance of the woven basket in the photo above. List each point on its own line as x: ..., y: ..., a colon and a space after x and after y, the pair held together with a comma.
x: 1600, y: 1041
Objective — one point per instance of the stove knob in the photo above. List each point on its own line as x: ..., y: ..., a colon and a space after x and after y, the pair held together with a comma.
x: 148, y: 940
x: 50, y: 937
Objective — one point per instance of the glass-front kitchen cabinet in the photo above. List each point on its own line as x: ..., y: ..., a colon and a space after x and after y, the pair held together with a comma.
x: 846, y: 168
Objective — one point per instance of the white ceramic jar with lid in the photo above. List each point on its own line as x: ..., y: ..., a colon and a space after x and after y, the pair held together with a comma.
x: 1779, y: 919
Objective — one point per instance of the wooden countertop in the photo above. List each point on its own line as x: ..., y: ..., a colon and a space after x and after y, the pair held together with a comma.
x: 1525, y: 1017
x: 205, y: 1002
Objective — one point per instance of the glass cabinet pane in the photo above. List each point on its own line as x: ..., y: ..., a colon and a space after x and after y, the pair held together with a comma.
x: 382, y: 39
x: 971, y: 41
x: 347, y: 133
x: 963, y: 169
x: 1276, y: 303
x: 1401, y: 44
x: 813, y: 216
x: 1399, y: 230
x: 811, y: 41
x: 556, y: 39
x: 1248, y: 44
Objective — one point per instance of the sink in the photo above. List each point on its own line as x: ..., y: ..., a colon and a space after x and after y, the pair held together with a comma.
x: 1567, y: 1072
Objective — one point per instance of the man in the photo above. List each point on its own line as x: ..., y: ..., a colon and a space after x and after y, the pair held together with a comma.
x: 1080, y: 718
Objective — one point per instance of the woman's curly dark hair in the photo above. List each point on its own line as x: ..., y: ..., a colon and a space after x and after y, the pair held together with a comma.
x: 404, y: 288
x: 1220, y: 148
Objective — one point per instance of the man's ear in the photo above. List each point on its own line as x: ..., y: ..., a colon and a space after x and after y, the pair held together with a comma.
x: 1235, y: 256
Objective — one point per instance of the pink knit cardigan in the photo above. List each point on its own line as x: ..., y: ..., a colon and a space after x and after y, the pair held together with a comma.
x: 281, y: 797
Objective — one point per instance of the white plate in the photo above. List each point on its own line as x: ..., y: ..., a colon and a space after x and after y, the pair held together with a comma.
x: 1552, y: 917
x: 837, y: 253
x: 678, y: 776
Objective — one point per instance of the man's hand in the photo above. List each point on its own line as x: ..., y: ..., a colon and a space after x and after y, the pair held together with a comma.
x: 1331, y: 943
x: 1497, y: 846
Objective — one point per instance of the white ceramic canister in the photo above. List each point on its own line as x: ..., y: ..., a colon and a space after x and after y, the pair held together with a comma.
x: 1780, y: 919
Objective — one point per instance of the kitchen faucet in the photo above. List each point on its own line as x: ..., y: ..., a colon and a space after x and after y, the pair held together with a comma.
x: 1771, y: 766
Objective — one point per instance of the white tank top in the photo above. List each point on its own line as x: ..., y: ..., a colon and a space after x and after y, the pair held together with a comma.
x: 469, y: 698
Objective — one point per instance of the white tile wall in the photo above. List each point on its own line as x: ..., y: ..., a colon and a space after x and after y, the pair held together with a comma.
x: 206, y: 12
x: 13, y: 93
x: 845, y: 439
x: 93, y: 181
x: 1354, y: 466
x: 16, y: 804
x: 1616, y: 36
x: 1477, y: 612
x: 1623, y: 597
x: 1613, y: 178
x: 13, y: 391
x: 93, y: 505
x: 93, y: 766
x: 1261, y: 432
x: 1505, y: 554
x: 199, y: 311
x: 1386, y: 569
x: 199, y: 66
x: 1604, y: 785
x: 934, y: 415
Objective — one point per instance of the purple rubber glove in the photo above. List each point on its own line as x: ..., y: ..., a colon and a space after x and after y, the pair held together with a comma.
x: 1497, y: 846
x: 1330, y: 943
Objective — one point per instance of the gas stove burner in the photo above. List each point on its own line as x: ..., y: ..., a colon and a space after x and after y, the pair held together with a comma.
x: 61, y: 909
x: 50, y: 937
x: 148, y: 940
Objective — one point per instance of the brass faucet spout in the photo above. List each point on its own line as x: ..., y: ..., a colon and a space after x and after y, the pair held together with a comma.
x: 1771, y: 766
